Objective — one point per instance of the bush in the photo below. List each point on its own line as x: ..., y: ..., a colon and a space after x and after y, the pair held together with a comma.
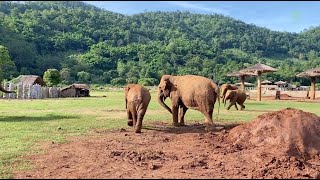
x: 118, y: 81
x: 132, y: 80
x: 148, y: 81
x: 52, y: 77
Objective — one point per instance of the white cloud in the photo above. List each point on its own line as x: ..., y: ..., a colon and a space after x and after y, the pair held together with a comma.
x: 190, y: 5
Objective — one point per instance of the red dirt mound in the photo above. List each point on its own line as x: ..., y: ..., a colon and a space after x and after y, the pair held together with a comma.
x: 289, y: 132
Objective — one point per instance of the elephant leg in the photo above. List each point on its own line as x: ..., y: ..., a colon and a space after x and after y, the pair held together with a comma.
x: 235, y: 104
x: 130, y: 120
x: 175, y: 111
x: 242, y: 107
x: 208, y: 121
x: 138, y: 127
x: 231, y: 104
x: 182, y: 111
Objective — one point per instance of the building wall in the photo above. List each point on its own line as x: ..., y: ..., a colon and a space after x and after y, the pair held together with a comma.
x: 71, y: 92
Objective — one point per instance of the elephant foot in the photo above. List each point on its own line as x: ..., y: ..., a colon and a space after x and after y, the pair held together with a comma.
x: 182, y: 124
x: 175, y: 124
x: 130, y: 122
x: 138, y: 131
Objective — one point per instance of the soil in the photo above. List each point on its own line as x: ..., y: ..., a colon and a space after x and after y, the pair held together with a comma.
x: 282, y: 144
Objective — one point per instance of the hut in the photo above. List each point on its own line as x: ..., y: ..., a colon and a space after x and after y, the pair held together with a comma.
x: 266, y: 82
x: 30, y: 80
x: 242, y: 76
x: 258, y: 69
x: 313, y: 74
x: 76, y: 90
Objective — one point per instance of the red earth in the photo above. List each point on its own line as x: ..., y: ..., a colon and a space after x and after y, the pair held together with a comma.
x: 282, y: 144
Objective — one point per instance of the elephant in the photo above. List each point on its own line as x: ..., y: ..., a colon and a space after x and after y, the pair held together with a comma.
x: 5, y: 91
x: 224, y: 88
x: 188, y: 91
x: 235, y: 96
x: 137, y: 100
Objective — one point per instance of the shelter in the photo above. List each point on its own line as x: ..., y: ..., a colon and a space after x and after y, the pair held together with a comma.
x: 30, y: 80
x: 76, y: 90
x: 266, y: 82
x: 245, y: 83
x: 242, y: 76
x: 312, y: 73
x: 258, y: 69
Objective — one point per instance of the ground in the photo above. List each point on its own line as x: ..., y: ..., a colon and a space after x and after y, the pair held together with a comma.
x: 160, y: 151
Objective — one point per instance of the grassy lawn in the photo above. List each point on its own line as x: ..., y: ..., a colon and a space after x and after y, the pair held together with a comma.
x: 23, y: 123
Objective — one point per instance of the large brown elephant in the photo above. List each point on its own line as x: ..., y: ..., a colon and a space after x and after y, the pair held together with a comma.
x: 224, y: 88
x: 235, y: 96
x: 137, y: 100
x: 189, y: 91
x: 5, y: 91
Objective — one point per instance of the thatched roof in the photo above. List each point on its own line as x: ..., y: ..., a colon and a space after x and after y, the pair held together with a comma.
x: 259, y: 67
x: 310, y: 73
x: 246, y: 84
x: 77, y: 86
x: 280, y: 83
x: 30, y: 80
x: 266, y: 82
x: 238, y: 73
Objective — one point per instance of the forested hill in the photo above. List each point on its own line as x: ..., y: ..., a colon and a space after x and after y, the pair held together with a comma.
x: 88, y: 44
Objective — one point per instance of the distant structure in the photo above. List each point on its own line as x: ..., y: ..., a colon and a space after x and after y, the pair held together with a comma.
x: 76, y: 90
x: 30, y: 80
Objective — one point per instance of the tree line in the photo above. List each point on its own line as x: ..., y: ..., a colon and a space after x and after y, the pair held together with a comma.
x: 91, y: 45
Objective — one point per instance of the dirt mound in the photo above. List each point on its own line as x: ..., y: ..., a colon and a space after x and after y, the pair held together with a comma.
x: 289, y: 132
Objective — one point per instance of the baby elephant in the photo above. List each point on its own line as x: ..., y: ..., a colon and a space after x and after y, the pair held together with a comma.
x: 137, y: 101
x: 235, y: 96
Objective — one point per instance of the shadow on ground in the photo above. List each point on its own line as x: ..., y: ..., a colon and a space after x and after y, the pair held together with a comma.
x: 49, y: 117
x: 190, y: 128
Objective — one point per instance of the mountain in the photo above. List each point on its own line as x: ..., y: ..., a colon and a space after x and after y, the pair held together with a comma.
x: 89, y: 44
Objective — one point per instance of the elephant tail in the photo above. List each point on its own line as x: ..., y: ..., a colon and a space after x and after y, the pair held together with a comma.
x: 217, y: 90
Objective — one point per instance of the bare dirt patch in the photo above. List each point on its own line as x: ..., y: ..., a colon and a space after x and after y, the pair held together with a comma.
x: 281, y: 144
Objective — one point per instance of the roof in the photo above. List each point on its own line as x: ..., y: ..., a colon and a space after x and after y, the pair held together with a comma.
x: 77, y: 86
x: 30, y: 79
x: 259, y: 67
x: 265, y: 82
x: 245, y: 83
x: 310, y: 73
x: 238, y: 73
x: 280, y: 82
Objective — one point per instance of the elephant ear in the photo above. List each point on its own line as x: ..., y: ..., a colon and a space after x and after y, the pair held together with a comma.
x: 126, y: 90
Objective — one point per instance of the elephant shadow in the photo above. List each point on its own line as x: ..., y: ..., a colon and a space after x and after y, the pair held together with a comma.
x: 190, y: 128
x: 48, y: 117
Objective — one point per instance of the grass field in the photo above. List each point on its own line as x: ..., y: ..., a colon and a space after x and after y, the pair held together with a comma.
x: 23, y: 123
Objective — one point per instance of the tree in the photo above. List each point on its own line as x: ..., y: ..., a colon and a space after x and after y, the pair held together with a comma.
x: 52, y: 77
x: 7, y: 66
x: 83, y: 76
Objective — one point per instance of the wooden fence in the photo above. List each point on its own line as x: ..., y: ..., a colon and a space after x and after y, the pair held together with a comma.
x: 36, y: 91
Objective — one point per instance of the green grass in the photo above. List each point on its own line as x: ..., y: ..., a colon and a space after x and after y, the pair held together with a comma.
x: 24, y: 123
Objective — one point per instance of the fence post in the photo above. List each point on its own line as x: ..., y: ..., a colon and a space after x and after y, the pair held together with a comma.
x: 5, y: 86
x: 11, y: 88
x: 19, y: 91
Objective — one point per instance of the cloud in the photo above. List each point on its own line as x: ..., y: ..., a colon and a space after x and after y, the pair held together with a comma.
x: 190, y: 5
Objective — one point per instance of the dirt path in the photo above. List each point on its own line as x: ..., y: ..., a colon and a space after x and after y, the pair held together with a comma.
x: 162, y: 152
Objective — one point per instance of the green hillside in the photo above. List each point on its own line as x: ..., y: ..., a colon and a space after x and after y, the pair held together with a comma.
x: 88, y: 44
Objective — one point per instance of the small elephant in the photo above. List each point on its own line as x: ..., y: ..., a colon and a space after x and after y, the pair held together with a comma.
x: 224, y: 88
x: 137, y: 100
x: 235, y: 96
x: 188, y: 91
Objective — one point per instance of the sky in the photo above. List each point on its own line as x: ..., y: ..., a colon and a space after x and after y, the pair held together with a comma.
x: 290, y: 16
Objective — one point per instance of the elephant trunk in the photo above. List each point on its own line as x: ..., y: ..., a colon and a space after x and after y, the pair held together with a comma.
x: 3, y: 90
x: 161, y: 99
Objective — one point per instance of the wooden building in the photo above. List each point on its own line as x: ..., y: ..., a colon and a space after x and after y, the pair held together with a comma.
x: 76, y: 90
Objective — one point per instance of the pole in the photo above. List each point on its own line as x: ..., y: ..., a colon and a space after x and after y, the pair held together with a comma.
x: 259, y: 86
x: 313, y: 88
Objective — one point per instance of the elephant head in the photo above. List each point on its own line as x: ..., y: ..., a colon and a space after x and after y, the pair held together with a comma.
x: 3, y: 90
x: 164, y: 89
